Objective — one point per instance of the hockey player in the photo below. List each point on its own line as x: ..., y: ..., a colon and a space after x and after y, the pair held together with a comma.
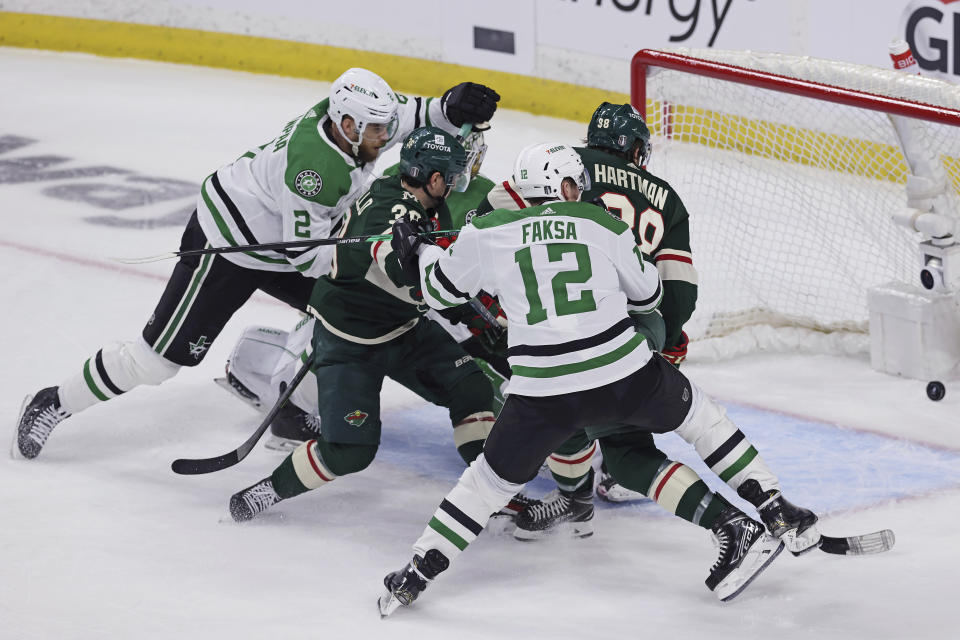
x: 569, y: 275
x: 265, y: 358
x: 618, y: 149
x: 295, y: 187
x: 369, y: 326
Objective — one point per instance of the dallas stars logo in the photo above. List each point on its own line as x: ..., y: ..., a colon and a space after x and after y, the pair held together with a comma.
x: 356, y: 418
x: 308, y: 183
x: 197, y: 348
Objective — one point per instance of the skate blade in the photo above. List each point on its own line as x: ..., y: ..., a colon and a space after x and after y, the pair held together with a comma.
x: 387, y: 603
x: 760, y: 558
x: 224, y: 383
x: 14, y: 447
x: 569, y: 529
x: 285, y: 445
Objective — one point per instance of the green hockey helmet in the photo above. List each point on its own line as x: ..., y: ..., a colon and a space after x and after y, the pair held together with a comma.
x: 429, y: 149
x: 619, y: 127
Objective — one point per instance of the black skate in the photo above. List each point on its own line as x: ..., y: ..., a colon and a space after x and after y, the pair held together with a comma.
x: 38, y: 416
x: 232, y: 384
x: 291, y: 428
x: 745, y: 551
x: 404, y: 586
x: 562, y: 511
x: 246, y: 504
x: 794, y: 525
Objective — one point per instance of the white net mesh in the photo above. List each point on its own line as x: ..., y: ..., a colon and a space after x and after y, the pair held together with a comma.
x: 790, y: 197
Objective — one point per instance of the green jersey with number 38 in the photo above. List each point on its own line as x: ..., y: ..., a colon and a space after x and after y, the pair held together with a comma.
x: 660, y: 227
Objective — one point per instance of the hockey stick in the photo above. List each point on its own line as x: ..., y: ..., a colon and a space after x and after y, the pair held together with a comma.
x: 866, y: 544
x: 187, y: 466
x: 274, y: 246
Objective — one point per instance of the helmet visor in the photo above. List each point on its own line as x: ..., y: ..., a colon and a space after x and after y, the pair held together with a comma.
x: 381, y: 131
x: 583, y: 181
x: 459, y: 181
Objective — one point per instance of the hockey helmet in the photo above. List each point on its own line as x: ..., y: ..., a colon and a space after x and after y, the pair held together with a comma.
x: 429, y: 149
x: 365, y: 97
x: 540, y: 169
x: 619, y: 127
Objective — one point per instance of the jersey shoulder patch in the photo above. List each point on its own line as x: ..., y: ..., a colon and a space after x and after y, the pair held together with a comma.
x: 316, y: 170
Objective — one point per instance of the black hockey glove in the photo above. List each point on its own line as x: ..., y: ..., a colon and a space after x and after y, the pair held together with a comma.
x: 406, y: 240
x: 469, y: 102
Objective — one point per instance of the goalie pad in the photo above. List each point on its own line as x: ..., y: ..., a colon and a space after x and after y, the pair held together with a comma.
x: 264, y: 357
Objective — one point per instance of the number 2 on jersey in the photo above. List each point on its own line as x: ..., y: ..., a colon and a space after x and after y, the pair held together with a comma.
x: 562, y: 303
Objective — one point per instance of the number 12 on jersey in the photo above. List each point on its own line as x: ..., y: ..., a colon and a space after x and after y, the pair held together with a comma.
x: 562, y: 304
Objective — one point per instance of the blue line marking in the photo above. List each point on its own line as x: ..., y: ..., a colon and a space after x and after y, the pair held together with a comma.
x: 821, y: 466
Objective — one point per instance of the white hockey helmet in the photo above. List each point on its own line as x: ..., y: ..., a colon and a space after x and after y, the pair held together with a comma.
x: 365, y: 97
x: 541, y: 168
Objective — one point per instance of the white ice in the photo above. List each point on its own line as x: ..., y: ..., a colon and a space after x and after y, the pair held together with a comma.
x: 99, y: 539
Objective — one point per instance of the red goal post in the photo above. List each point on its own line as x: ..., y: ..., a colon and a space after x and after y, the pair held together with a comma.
x: 791, y: 168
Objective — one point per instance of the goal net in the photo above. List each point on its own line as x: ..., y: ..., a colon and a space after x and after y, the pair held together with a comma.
x: 791, y: 168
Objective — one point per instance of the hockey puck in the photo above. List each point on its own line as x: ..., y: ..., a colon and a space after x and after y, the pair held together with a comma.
x: 936, y: 390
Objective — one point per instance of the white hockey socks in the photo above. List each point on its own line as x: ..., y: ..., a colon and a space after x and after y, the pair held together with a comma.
x: 464, y: 512
x: 112, y: 371
x: 722, y: 445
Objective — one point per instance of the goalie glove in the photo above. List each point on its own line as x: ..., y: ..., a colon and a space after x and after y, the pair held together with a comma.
x: 406, y: 243
x: 678, y: 352
x: 470, y: 103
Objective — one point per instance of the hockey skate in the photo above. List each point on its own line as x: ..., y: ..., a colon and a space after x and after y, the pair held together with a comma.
x: 610, y: 490
x: 246, y: 504
x: 794, y: 525
x: 38, y: 416
x: 291, y: 428
x: 570, y: 512
x: 232, y: 384
x: 405, y: 585
x: 745, y: 551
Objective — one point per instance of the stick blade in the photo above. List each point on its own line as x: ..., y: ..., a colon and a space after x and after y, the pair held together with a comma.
x: 866, y: 544
x: 191, y: 467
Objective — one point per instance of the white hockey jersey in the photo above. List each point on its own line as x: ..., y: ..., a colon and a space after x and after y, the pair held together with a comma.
x: 567, y: 275
x: 296, y: 187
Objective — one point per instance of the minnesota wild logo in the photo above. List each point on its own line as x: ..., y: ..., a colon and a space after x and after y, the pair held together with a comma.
x: 197, y: 348
x: 356, y: 418
x: 308, y: 183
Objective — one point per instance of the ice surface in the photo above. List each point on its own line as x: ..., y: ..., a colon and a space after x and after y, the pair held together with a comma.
x: 98, y: 539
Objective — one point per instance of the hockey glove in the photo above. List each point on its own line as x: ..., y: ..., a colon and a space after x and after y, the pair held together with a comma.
x: 491, y: 336
x: 469, y: 102
x: 406, y: 242
x: 678, y: 352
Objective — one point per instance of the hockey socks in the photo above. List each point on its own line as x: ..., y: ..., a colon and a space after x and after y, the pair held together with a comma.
x: 571, y: 471
x: 722, y: 446
x: 464, y: 512
x: 301, y: 471
x: 112, y: 371
x: 470, y: 433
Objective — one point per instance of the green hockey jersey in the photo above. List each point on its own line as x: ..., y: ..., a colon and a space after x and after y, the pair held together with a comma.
x: 363, y: 299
